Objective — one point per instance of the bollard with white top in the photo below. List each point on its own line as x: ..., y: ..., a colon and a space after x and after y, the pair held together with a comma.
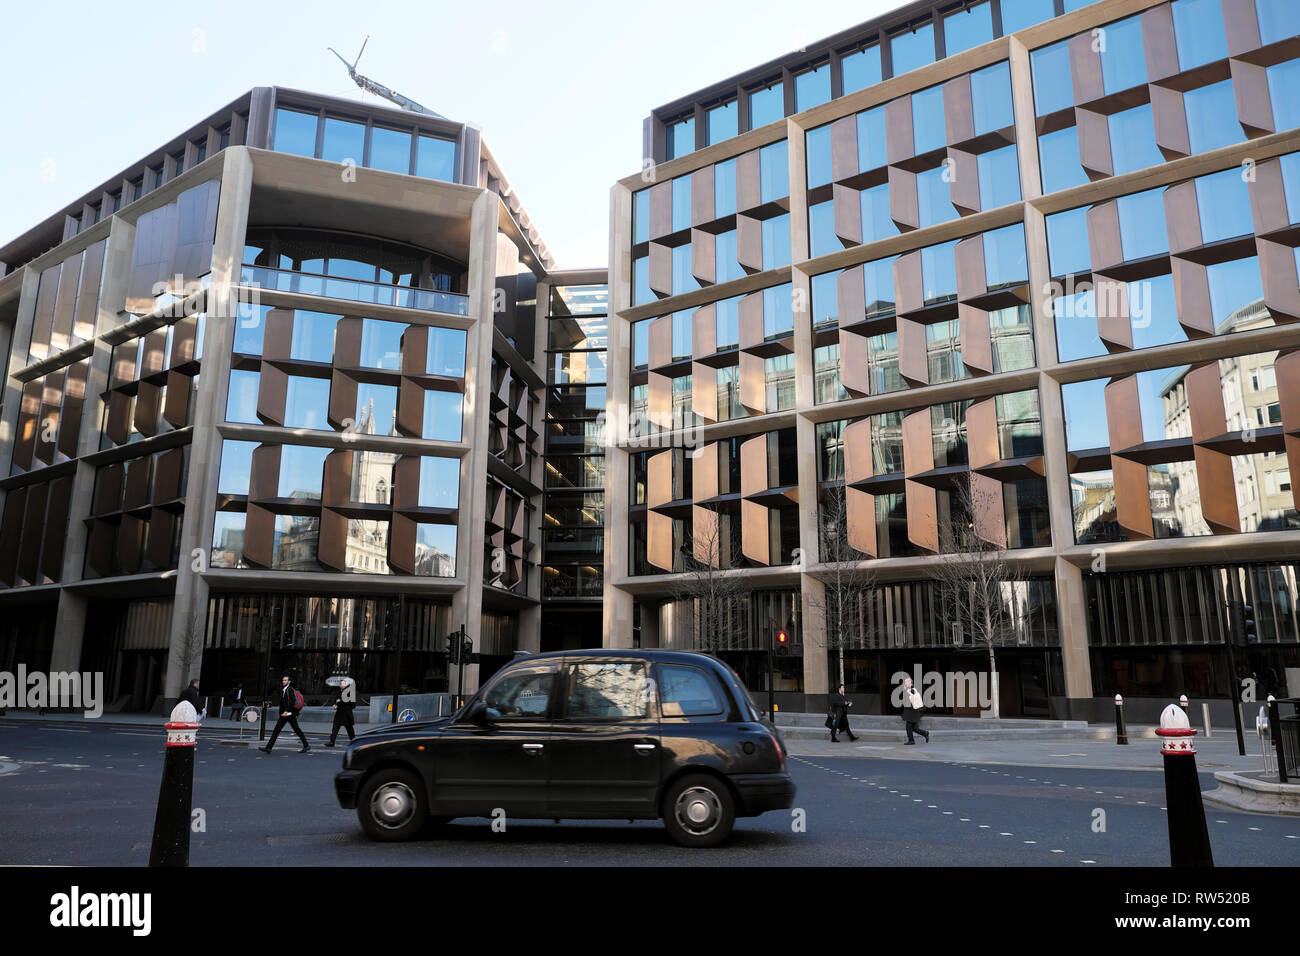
x: 171, y: 827
x: 1121, y: 735
x: 1189, y: 837
x: 1182, y: 702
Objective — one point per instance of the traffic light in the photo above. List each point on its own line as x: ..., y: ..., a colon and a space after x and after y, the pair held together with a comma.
x: 453, y: 648
x: 1248, y: 624
x: 782, y: 643
x: 467, y: 651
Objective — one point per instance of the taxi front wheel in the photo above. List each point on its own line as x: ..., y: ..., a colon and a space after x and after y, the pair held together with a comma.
x: 698, y: 811
x: 392, y: 807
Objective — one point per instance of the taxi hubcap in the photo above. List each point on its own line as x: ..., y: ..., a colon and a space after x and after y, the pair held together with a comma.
x: 392, y: 805
x: 698, y: 810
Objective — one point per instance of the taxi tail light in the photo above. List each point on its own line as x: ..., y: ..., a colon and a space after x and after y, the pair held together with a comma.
x: 776, y: 743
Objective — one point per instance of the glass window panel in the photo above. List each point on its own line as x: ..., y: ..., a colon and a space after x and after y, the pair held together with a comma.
x: 1223, y: 202
x: 1199, y: 32
x: 641, y: 216
x: 1018, y: 14
x: 1291, y: 184
x: 927, y: 120
x: 825, y: 304
x: 343, y: 140
x: 766, y: 105
x: 313, y: 336
x: 1234, y: 286
x: 774, y: 171
x: 860, y: 69
x: 1142, y: 224
x: 1004, y: 256
x: 301, y: 471
x: 1052, y: 85
x: 681, y: 137
x: 990, y: 90
x: 641, y: 293
x: 912, y: 49
x: 939, y: 272
x: 967, y: 28
x: 1076, y: 326
x: 726, y: 264
x: 241, y: 403
x: 228, y: 540
x: 294, y: 547
x: 1153, y: 313
x: 446, y: 355
x: 1212, y: 116
x: 435, y: 550
x: 821, y: 229
x: 381, y: 344
x: 812, y: 87
x: 876, y: 221
x: 306, y: 401
x: 681, y: 203
x: 1133, y: 140
x: 1085, y: 415
x: 686, y: 692
x: 1067, y: 242
x: 817, y: 145
x: 435, y: 159
x: 722, y: 122
x: 1283, y: 81
x: 236, y: 465
x: 367, y: 547
x: 681, y: 334
x: 727, y: 319
x: 1013, y: 338
x: 1278, y: 20
x: 608, y: 691
x: 390, y: 149
x: 641, y: 344
x: 872, y: 153
x: 778, y: 310
x: 724, y: 189
x: 376, y: 409
x: 999, y: 173
x: 683, y: 279
x: 249, y: 328
x: 878, y: 280
x: 1058, y: 154
x: 439, y: 483
x: 1123, y: 62
x: 442, y: 416
x: 776, y: 242
x: 934, y: 197
x: 295, y: 132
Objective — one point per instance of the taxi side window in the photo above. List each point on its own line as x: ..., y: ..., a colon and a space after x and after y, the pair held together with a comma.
x: 686, y: 692
x: 617, y: 690
x: 520, y: 695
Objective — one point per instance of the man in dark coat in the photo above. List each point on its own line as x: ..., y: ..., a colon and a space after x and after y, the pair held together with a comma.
x: 191, y: 694
x: 288, y: 715
x: 840, y: 714
x: 344, y: 701
x: 236, y: 701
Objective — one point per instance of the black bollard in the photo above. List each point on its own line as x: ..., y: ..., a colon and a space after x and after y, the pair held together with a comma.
x: 1189, y: 837
x: 171, y: 825
x: 1121, y: 737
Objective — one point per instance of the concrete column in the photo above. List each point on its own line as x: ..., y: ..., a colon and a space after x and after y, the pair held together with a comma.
x: 13, y: 388
x: 617, y: 619
x: 1072, y: 610
x: 69, y: 632
x: 189, y: 613
x: 651, y: 632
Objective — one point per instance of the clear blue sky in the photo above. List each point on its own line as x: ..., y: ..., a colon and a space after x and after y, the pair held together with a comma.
x: 559, y: 88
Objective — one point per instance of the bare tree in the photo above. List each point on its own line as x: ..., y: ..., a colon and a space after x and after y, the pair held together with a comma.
x: 979, y: 583
x: 846, y: 579
x: 709, y: 586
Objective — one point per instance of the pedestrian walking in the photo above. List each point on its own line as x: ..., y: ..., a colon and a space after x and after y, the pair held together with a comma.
x: 289, y: 708
x: 236, y: 701
x: 838, y: 718
x: 912, y: 708
x: 343, y: 705
x: 191, y: 694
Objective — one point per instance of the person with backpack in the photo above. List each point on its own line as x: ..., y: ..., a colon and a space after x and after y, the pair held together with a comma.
x: 290, y: 705
x: 911, y: 712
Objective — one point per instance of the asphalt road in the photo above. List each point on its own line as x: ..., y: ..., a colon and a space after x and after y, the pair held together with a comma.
x: 87, y: 796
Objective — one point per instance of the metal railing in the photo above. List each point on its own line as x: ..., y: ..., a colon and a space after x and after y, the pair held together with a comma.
x: 1285, y: 731
x: 355, y: 290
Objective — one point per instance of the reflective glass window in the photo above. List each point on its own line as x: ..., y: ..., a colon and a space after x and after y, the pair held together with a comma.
x: 821, y: 229
x: 912, y: 49
x: 1004, y: 256
x: 934, y: 197
x: 294, y: 544
x: 1223, y: 202
x: 439, y: 483
x: 722, y: 122
x: 1051, y: 72
x: 1076, y: 326
x: 435, y: 550
x: 776, y: 242
x: 442, y: 416
x: 1018, y: 14
x: 876, y: 221
x: 301, y: 471
x: 376, y: 407
x: 1212, y: 116
x: 1291, y: 184
x: 446, y: 355
x: 812, y: 87
x: 343, y: 140
x: 1142, y: 224
x: 641, y: 216
x: 295, y: 132
x: 1058, y: 155
x: 435, y: 159
x: 1123, y: 62
x: 817, y: 146
x: 381, y: 344
x: 249, y: 328
x: 641, y: 293
x: 1283, y: 81
x: 1085, y: 415
x: 878, y: 280
x: 939, y: 272
x: 727, y: 318
x: 726, y: 264
x: 967, y: 28
x: 990, y: 90
x: 313, y: 336
x: 774, y: 171
x: 641, y: 344
x: 824, y: 299
x: 228, y: 540
x: 306, y: 401
x: 766, y: 105
x: 390, y: 149
x: 999, y: 173
x: 1278, y: 20
x: 1067, y: 242
x: 860, y: 69
x: 683, y: 278
x: 1234, y: 286
x: 1133, y: 140
x: 872, y: 153
x: 1199, y: 32
x: 778, y: 310
x: 724, y: 189
x: 1153, y: 313
x: 241, y: 402
x: 681, y: 334
x: 927, y: 120
x: 681, y: 137
x: 681, y: 203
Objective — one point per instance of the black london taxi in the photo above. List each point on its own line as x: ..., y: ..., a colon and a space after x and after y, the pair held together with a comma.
x: 599, y: 734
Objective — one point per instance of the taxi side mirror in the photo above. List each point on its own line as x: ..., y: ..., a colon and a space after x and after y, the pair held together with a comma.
x: 477, y: 713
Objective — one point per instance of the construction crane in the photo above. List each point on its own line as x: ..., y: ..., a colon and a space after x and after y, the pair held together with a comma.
x: 370, y: 86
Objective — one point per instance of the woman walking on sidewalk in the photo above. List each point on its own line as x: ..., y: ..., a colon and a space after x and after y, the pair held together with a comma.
x: 912, y: 708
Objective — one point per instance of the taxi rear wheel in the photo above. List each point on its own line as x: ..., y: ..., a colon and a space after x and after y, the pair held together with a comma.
x: 698, y: 811
x: 392, y: 806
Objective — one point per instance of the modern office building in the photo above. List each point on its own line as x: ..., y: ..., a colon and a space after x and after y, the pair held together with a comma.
x: 276, y: 400
x: 1008, y: 280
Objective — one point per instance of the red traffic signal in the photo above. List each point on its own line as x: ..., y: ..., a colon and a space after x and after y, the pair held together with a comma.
x: 781, y: 637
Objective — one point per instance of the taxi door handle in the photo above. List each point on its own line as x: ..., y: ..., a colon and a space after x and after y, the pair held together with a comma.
x: 533, y: 750
x: 644, y: 748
